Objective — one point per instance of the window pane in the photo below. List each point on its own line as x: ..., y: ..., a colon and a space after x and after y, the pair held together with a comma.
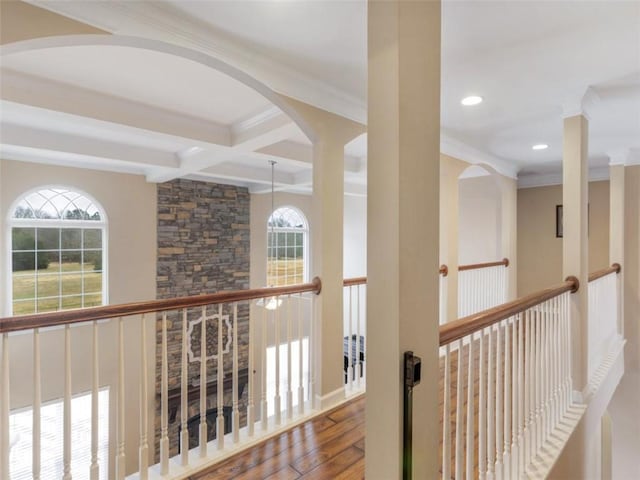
x: 72, y: 302
x: 24, y: 261
x: 93, y: 300
x: 23, y: 286
x: 48, y: 285
x: 23, y: 239
x: 92, y: 282
x: 92, y: 238
x: 24, y: 307
x: 92, y: 261
x: 48, y: 304
x: 71, y: 238
x: 71, y: 284
x: 48, y: 238
x: 71, y: 261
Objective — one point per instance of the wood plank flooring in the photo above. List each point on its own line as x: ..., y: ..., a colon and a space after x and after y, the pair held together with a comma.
x: 330, y: 446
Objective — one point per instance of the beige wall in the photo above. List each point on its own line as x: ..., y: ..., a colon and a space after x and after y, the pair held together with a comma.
x: 539, y: 251
x: 130, y: 205
x: 479, y: 220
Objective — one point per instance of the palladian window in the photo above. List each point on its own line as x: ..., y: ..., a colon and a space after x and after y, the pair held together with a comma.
x: 58, y: 252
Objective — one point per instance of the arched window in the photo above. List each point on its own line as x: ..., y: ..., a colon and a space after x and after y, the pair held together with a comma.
x: 58, y: 252
x: 287, y: 247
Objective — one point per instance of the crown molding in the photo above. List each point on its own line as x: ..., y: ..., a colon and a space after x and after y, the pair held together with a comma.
x: 462, y: 151
x: 161, y: 22
x: 580, y: 104
x: 549, y: 179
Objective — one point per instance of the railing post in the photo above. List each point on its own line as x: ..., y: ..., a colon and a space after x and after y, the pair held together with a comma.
x: 575, y: 240
x: 617, y: 226
x: 402, y: 250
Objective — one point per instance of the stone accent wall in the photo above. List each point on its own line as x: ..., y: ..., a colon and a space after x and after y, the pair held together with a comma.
x: 203, y: 247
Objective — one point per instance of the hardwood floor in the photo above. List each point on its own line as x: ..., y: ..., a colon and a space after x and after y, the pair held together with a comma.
x: 330, y: 446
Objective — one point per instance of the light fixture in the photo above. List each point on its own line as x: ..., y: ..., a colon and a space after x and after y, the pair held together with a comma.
x: 471, y: 100
x: 540, y: 146
x: 271, y: 303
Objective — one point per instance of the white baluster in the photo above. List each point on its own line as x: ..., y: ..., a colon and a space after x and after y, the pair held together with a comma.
x: 37, y: 399
x: 276, y: 398
x: 289, y: 387
x: 300, y: 357
x: 491, y: 427
x: 521, y: 394
x: 363, y: 364
x: 446, y: 417
x: 538, y: 367
x: 143, y: 453
x: 499, y: 405
x: 184, y: 392
x: 4, y: 409
x: 546, y: 367
x: 470, y: 410
x: 251, y: 414
x: 67, y: 405
x: 350, y: 367
x: 120, y: 458
x: 311, y: 350
x: 263, y: 383
x: 517, y: 320
x: 358, y: 368
x: 528, y: 381
x: 482, y: 410
x: 220, y: 382
x: 94, y: 469
x: 236, y: 410
x: 164, y: 400
x: 506, y: 459
x: 203, y: 384
x: 459, y: 415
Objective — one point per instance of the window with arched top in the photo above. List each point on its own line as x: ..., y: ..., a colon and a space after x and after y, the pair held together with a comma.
x: 58, y: 251
x: 287, y: 247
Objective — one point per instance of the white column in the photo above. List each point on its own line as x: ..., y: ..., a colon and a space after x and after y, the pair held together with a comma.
x: 332, y: 133
x: 616, y: 226
x: 327, y: 245
x: 402, y: 231
x: 575, y: 246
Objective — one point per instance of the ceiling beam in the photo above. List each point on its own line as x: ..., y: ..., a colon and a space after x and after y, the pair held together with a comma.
x: 30, y: 90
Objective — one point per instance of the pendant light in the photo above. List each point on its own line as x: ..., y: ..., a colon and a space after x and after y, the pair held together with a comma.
x: 271, y: 303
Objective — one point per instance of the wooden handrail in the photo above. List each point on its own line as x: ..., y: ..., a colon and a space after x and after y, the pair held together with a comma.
x: 66, y: 317
x: 615, y: 268
x: 350, y: 282
x: 444, y: 270
x: 475, y: 266
x: 462, y: 327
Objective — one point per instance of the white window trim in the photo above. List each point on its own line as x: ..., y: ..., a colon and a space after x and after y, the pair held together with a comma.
x: 11, y: 222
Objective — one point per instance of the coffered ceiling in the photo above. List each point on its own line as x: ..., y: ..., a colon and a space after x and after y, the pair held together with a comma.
x: 151, y: 112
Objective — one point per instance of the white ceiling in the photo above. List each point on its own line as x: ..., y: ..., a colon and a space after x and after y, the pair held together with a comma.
x: 527, y: 59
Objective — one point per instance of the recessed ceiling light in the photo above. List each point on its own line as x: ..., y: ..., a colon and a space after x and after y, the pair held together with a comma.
x: 471, y: 100
x: 540, y: 146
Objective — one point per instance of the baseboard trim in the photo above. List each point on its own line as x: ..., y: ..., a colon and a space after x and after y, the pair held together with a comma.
x: 331, y: 399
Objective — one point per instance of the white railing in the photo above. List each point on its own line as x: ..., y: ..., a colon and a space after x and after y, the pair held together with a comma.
x: 253, y: 378
x: 355, y: 334
x: 481, y: 286
x: 604, y: 304
x: 516, y: 361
